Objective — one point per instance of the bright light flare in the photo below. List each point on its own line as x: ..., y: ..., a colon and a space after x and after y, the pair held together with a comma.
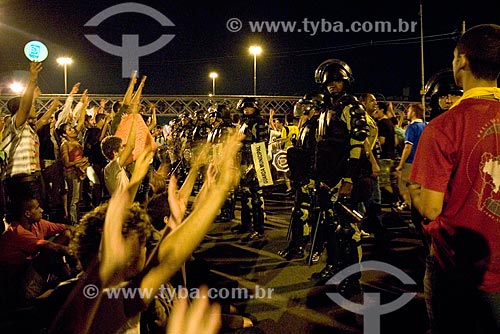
x: 64, y: 61
x: 255, y: 50
x: 16, y: 87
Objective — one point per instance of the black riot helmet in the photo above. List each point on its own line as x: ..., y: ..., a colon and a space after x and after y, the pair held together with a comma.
x: 218, y: 111
x: 440, y: 84
x: 212, y: 111
x: 316, y: 99
x: 248, y: 102
x: 185, y: 115
x: 308, y: 102
x: 332, y: 70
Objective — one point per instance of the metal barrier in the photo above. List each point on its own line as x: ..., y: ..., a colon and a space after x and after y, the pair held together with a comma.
x: 173, y: 105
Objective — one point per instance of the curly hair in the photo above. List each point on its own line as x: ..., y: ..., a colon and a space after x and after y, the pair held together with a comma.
x: 109, y: 145
x: 87, y: 236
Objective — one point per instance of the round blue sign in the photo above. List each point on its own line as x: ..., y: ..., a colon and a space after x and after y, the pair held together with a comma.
x: 36, y: 51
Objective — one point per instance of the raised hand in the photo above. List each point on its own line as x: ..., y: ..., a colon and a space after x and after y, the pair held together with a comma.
x: 114, y: 256
x: 176, y: 202
x: 84, y: 99
x: 141, y: 168
x: 35, y: 69
x: 200, y: 317
x: 102, y: 103
x: 227, y: 167
x: 75, y: 89
x: 201, y: 155
x: 133, y: 78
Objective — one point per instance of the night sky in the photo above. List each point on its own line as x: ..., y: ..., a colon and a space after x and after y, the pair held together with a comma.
x: 383, y: 63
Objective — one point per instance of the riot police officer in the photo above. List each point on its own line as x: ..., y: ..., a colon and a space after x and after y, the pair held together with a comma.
x: 300, y: 159
x: 342, y: 169
x: 201, y: 128
x: 443, y: 91
x: 256, y: 130
x: 219, y: 120
x: 183, y: 145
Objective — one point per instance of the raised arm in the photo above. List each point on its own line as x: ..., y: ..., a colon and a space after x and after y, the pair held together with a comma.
x: 151, y: 126
x: 271, y: 119
x: 130, y: 145
x: 178, y: 245
x: 23, y: 112
x: 111, y: 268
x: 201, y: 317
x: 127, y: 98
x: 105, y: 127
x: 136, y: 98
x: 67, y: 105
x: 48, y: 114
x: 84, y: 101
x: 198, y: 161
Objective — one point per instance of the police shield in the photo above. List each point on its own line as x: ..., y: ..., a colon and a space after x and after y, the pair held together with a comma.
x: 280, y: 161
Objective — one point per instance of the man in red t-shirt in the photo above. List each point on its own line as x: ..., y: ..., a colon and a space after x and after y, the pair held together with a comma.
x: 22, y: 242
x: 454, y: 183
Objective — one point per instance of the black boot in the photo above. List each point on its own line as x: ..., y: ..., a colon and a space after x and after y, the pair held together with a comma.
x: 325, y: 274
x: 292, y: 252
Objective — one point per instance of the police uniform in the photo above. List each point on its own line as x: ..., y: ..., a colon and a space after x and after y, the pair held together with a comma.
x: 256, y: 130
x: 340, y: 159
x: 300, y: 160
x: 220, y: 129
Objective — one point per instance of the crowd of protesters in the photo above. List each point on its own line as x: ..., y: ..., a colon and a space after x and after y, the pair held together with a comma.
x: 126, y: 201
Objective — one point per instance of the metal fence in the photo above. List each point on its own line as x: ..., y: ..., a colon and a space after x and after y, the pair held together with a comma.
x: 169, y: 106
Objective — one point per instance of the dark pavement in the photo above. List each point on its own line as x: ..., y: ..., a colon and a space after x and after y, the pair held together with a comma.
x: 294, y: 303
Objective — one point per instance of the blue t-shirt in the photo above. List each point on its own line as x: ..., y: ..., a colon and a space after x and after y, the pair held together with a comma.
x: 412, y: 136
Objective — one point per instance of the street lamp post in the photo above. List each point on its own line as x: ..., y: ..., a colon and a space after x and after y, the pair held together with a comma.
x: 255, y: 50
x: 214, y: 76
x: 65, y: 61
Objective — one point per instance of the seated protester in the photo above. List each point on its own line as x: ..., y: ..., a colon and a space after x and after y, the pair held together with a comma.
x: 25, y: 271
x: 197, y: 273
x: 117, y: 258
